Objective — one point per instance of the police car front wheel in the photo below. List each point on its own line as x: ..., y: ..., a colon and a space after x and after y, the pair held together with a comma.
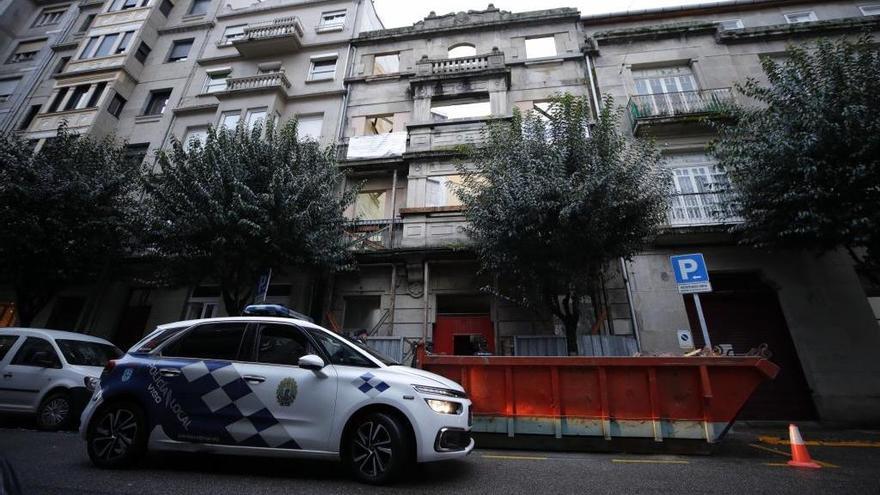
x: 117, y: 435
x: 377, y: 449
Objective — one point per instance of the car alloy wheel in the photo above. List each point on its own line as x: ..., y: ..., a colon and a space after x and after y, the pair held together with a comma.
x: 55, y: 412
x: 372, y: 452
x: 114, y: 434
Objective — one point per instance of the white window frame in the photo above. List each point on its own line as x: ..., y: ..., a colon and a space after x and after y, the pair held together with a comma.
x: 45, y: 14
x: 811, y: 16
x: 737, y: 24
x: 442, y: 194
x: 692, y: 201
x: 194, y: 130
x: 251, y: 117
x: 236, y: 114
x: 211, y: 86
x: 323, y: 58
x: 17, y: 81
x: 310, y: 119
x: 93, y: 49
x: 175, y: 44
x: 543, y: 39
x: 227, y: 39
x: 870, y: 9
x: 327, y: 22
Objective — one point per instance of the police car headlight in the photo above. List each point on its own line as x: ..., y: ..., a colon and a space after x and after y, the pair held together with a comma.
x: 91, y: 383
x: 444, y: 406
x: 447, y: 392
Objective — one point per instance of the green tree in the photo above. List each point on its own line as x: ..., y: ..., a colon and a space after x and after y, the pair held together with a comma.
x: 242, y: 203
x: 65, y: 212
x: 804, y: 161
x: 551, y: 201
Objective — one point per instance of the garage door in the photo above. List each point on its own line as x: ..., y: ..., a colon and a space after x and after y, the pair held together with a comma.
x: 744, y: 312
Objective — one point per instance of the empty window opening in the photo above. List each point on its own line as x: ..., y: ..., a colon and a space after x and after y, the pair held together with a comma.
x: 386, y: 64
x: 462, y: 50
x: 379, y: 124
x: 544, y: 46
x: 461, y: 109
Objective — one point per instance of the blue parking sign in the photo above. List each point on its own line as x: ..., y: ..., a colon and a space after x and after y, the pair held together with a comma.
x: 691, y: 273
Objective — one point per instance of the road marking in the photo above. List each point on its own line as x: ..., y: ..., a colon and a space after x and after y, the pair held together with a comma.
x: 787, y: 454
x: 822, y: 443
x: 515, y: 457
x: 648, y: 461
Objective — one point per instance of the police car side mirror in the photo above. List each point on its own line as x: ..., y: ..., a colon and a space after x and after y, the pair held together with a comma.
x: 311, y: 362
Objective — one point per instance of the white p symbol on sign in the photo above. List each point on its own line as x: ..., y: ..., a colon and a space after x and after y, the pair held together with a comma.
x: 686, y: 267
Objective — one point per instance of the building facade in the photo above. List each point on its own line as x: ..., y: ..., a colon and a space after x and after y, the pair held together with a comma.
x: 398, y: 103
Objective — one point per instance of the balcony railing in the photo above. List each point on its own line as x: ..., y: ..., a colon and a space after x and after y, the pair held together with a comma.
x: 699, y: 209
x: 678, y: 104
x: 282, y: 35
x: 447, y: 66
x: 268, y: 80
x: 284, y: 26
x: 372, y: 235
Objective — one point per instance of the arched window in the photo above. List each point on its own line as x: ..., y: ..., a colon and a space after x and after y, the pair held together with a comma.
x: 462, y: 50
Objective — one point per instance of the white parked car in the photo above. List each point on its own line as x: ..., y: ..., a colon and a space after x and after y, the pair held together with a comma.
x: 276, y: 386
x: 50, y: 373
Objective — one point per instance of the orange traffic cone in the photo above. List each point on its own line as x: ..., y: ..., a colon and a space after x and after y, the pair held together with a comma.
x: 799, y: 455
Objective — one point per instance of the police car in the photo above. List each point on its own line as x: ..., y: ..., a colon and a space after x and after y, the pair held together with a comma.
x: 274, y: 386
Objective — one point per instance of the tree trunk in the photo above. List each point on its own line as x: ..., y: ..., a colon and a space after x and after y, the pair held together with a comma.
x: 571, y: 326
x: 235, y: 301
x: 28, y: 303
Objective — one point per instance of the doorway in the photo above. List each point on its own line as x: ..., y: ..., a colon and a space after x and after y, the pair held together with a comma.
x: 744, y: 312
x: 463, y: 326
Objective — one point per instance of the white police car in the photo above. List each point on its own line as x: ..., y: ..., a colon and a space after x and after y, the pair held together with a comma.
x: 279, y: 386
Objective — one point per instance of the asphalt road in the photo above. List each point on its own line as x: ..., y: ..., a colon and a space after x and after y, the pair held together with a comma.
x: 50, y: 463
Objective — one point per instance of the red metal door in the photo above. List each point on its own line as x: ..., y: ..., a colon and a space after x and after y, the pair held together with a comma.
x: 453, y: 331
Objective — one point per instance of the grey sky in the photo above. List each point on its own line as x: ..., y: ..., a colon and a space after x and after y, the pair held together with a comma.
x: 396, y: 13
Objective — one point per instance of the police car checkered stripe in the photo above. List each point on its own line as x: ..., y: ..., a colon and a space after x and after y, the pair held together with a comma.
x: 227, y: 395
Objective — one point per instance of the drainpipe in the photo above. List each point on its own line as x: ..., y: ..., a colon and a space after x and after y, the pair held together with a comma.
x: 629, y: 298
x: 393, y: 206
x: 393, y: 299
x: 425, y: 297
x: 593, y: 85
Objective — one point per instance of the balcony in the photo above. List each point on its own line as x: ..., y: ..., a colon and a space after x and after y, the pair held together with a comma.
x: 376, y: 146
x: 373, y: 235
x: 661, y: 108
x: 270, y: 81
x: 46, y: 124
x: 444, y: 67
x: 698, y: 210
x: 282, y: 35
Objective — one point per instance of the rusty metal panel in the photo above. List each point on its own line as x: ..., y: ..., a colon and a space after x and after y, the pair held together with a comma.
x: 650, y: 397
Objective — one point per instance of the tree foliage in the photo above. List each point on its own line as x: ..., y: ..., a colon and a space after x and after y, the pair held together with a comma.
x: 242, y: 203
x: 65, y: 212
x: 804, y: 162
x: 551, y: 201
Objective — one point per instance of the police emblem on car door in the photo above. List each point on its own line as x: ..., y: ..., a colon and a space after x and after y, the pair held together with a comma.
x: 301, y: 401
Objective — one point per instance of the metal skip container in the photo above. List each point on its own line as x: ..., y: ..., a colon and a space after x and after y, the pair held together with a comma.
x: 695, y: 398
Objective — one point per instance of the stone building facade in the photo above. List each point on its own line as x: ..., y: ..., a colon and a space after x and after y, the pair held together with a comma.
x: 397, y: 103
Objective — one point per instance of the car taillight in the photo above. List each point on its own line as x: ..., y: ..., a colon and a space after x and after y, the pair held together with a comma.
x: 109, y: 367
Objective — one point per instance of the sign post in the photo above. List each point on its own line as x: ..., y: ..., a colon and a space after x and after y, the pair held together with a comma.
x: 263, y: 286
x: 692, y: 277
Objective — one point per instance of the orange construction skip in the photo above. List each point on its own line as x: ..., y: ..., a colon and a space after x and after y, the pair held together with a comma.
x: 648, y: 397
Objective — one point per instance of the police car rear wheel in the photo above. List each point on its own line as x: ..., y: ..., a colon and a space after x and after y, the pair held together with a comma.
x: 377, y: 449
x: 117, y: 436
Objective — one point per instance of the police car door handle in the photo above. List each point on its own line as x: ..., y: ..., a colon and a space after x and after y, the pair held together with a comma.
x: 7, y: 375
x: 254, y: 378
x: 169, y: 372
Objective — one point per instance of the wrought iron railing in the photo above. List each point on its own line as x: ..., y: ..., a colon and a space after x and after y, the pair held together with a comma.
x: 701, y: 208
x: 372, y: 235
x: 284, y: 26
x: 444, y: 66
x: 680, y: 103
x: 258, y: 81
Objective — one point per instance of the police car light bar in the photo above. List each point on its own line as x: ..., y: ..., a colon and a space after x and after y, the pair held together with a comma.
x: 274, y: 310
